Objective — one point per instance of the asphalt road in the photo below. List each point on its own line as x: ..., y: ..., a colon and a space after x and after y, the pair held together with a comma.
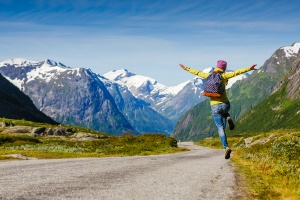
x: 201, y: 173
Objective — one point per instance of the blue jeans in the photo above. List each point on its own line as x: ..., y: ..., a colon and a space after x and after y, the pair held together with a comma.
x: 220, y: 114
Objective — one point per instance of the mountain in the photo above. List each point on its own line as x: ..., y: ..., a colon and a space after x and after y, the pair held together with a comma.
x: 281, y: 110
x: 14, y: 104
x: 171, y: 102
x: 141, y: 87
x: 198, y: 123
x: 138, y: 112
x: 116, y: 102
x: 70, y: 96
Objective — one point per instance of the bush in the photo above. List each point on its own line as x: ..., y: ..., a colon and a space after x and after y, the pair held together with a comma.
x: 11, y: 139
x: 172, y: 142
x: 287, y: 148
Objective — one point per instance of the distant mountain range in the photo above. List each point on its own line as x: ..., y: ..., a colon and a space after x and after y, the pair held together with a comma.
x: 171, y: 102
x: 197, y: 123
x: 69, y: 96
x: 116, y: 102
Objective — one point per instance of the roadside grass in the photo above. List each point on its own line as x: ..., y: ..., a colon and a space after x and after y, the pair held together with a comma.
x: 271, y: 166
x: 57, y: 147
x: 70, y: 147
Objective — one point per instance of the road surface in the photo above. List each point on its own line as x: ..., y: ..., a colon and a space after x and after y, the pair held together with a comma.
x: 201, y: 173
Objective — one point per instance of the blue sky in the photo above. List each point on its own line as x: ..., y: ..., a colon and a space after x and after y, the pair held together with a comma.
x: 148, y: 37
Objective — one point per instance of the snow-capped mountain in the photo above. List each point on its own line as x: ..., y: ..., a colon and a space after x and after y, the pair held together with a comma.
x: 138, y: 112
x: 283, y: 56
x: 141, y: 87
x: 291, y: 51
x: 172, y: 102
x: 70, y: 96
x: 80, y: 97
x: 156, y: 94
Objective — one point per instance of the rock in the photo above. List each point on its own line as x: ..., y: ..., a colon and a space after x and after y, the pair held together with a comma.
x: 43, y: 131
x: 87, y: 136
x: 49, y: 131
x: 248, y: 141
x: 271, y: 136
x: 261, y: 141
x: 38, y: 131
x: 6, y: 124
x: 59, y: 131
x: 70, y: 130
x: 17, y: 129
x: 20, y: 156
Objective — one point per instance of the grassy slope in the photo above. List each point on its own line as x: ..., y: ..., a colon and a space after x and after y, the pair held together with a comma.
x: 272, y: 166
x: 70, y: 147
x: 275, y: 112
x: 271, y: 169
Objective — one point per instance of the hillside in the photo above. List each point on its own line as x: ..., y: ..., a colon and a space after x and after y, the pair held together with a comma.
x: 31, y: 140
x: 14, y: 104
x: 281, y: 110
x: 198, y: 123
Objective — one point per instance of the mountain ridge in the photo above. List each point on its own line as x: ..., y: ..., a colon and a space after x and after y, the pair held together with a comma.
x: 52, y: 87
x: 14, y: 104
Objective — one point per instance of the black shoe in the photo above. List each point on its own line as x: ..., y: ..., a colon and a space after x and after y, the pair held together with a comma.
x: 227, y: 153
x: 230, y: 122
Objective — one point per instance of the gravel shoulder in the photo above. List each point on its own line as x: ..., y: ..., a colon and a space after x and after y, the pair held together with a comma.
x: 201, y: 173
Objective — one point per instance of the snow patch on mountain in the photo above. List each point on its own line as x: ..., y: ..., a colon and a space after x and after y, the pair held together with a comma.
x: 291, y: 50
x: 18, y: 62
x: 46, y: 70
x: 133, y: 81
x: 129, y: 79
x: 16, y: 82
x: 233, y: 80
x: 175, y: 89
x: 196, y: 81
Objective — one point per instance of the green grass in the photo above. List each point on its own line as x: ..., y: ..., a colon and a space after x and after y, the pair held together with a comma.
x: 58, y: 147
x: 71, y: 147
x: 272, y: 169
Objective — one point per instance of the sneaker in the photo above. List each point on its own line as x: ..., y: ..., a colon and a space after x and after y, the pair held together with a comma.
x: 230, y: 122
x: 227, y: 153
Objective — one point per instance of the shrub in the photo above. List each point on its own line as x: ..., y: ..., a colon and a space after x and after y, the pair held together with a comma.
x: 287, y: 148
x: 11, y: 139
x: 172, y: 142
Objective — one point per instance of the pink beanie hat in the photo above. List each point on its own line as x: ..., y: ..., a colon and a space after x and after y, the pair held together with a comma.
x: 222, y: 64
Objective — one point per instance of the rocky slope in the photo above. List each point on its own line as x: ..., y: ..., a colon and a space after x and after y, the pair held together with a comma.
x: 14, y: 104
x: 138, y: 112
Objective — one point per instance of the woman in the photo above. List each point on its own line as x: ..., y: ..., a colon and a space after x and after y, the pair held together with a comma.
x: 221, y: 105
